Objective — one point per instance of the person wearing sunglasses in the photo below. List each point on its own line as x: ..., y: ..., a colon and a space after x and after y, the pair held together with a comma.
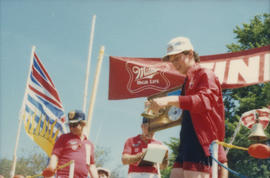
x: 73, y: 146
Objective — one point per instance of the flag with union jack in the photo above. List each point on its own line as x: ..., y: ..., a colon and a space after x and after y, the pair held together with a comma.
x: 42, y: 110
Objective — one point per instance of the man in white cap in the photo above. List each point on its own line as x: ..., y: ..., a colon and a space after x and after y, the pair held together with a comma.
x: 203, y: 112
x: 73, y: 146
x: 103, y: 173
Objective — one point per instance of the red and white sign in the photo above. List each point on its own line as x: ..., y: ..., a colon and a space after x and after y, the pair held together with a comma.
x: 142, y: 77
x: 248, y: 119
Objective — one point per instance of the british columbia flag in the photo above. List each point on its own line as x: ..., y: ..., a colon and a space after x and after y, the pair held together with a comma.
x: 42, y: 110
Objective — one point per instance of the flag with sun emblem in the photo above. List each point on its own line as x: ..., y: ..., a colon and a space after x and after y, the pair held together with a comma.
x: 42, y: 110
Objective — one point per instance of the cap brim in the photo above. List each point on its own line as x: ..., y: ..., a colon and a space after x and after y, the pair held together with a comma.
x: 104, y: 170
x: 166, y: 57
x: 76, y: 121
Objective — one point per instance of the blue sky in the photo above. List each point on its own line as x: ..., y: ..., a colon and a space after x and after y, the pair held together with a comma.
x: 60, y: 30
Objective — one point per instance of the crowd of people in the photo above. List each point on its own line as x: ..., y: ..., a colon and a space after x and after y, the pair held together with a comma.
x: 202, y: 122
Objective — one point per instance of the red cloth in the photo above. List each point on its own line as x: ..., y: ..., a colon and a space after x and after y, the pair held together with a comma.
x: 135, y: 145
x: 70, y: 147
x: 193, y: 167
x: 203, y: 99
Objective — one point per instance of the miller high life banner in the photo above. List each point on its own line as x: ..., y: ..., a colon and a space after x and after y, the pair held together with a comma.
x: 42, y: 110
x: 143, y: 77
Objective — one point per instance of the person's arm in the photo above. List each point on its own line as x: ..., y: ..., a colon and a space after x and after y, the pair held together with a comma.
x: 207, y: 94
x: 165, y: 161
x: 132, y: 159
x: 50, y: 170
x: 223, y: 173
x: 93, y: 171
x: 160, y: 103
x: 53, y: 162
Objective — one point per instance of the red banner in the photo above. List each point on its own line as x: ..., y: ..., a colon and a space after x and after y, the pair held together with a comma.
x: 142, y: 77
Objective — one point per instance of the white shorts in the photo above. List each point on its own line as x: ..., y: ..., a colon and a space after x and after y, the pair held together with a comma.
x: 142, y: 175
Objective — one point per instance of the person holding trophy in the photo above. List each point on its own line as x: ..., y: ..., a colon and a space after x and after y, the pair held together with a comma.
x: 203, y: 119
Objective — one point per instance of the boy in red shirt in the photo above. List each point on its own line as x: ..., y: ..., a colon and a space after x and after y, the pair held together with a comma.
x: 134, y: 152
x: 203, y: 112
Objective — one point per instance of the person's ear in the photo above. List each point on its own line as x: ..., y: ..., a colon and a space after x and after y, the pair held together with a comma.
x: 190, y: 54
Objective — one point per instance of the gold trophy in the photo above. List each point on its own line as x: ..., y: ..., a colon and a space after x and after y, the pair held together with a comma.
x: 167, y: 117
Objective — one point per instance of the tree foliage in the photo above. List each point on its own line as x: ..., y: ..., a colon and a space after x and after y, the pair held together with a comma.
x: 252, y: 35
x: 239, y: 101
x: 173, y: 146
x: 31, y: 163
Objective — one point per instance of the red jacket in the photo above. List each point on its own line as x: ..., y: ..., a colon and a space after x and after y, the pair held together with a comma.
x: 203, y: 99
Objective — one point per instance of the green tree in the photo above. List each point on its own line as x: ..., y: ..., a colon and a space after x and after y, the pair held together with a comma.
x: 173, y: 146
x: 31, y: 163
x: 253, y: 35
x: 101, y: 155
x: 238, y: 101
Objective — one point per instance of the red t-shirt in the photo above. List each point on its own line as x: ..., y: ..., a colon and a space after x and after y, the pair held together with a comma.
x: 135, y: 145
x: 70, y: 147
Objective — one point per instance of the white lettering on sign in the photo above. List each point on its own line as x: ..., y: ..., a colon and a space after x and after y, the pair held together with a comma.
x: 144, y: 72
x: 142, y: 82
x: 154, y: 81
x: 267, y: 67
x: 152, y: 76
x: 219, y: 69
x: 207, y: 65
x: 250, y: 72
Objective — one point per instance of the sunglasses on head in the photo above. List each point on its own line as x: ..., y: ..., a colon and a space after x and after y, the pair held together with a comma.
x: 74, y: 124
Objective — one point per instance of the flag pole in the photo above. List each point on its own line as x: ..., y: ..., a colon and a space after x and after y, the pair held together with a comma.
x: 88, y: 62
x: 94, y: 91
x: 12, y: 171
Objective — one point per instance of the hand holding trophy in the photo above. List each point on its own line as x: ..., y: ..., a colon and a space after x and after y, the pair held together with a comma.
x: 162, y: 112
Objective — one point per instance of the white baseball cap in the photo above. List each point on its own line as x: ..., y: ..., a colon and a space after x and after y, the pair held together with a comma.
x: 101, y: 169
x: 178, y: 45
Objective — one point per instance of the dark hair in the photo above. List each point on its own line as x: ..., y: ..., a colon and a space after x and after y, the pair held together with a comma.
x: 145, y: 120
x: 196, y: 56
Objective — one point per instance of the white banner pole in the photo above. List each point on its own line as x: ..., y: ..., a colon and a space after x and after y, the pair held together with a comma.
x: 214, y: 163
x: 71, y: 169
x: 89, y: 62
x: 94, y: 91
x: 12, y: 171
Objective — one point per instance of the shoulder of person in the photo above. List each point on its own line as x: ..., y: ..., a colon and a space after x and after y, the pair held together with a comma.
x: 157, y: 142
x: 205, y: 71
x: 137, y: 137
x: 134, y: 140
x: 64, y: 136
